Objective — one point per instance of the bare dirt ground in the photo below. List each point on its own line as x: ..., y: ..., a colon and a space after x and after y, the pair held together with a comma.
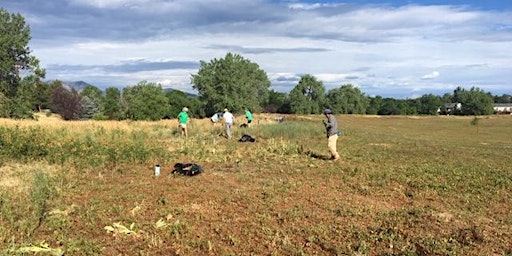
x: 385, y: 197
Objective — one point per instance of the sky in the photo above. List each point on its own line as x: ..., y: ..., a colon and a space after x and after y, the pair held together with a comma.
x: 399, y: 49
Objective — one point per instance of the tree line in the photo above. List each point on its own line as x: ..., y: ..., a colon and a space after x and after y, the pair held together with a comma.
x: 231, y: 82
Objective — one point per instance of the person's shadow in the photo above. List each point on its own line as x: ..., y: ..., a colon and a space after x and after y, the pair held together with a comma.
x: 317, y: 156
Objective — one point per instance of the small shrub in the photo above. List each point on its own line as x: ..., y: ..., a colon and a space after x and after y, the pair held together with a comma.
x: 42, y: 190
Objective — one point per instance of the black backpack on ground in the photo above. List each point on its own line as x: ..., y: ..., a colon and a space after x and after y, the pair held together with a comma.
x: 246, y: 138
x: 187, y: 169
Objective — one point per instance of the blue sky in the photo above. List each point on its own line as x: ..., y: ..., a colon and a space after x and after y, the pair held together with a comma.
x: 400, y: 49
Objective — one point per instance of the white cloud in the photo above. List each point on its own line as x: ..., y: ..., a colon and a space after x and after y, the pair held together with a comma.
x: 307, y: 6
x: 379, y: 47
x: 111, y: 4
x: 434, y: 74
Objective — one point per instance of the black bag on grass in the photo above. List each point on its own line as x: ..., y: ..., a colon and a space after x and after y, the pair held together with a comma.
x: 247, y: 138
x: 187, y: 169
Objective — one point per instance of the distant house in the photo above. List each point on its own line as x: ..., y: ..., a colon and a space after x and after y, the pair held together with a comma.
x: 450, y: 108
x: 502, y: 108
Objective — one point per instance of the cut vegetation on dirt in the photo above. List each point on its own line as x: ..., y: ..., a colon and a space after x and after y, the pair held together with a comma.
x: 404, y: 186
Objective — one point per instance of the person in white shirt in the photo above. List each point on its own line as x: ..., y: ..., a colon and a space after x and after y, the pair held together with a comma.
x: 229, y: 120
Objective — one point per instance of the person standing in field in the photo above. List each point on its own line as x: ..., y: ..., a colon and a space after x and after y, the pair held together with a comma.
x: 248, y: 115
x: 229, y: 120
x: 216, y: 118
x: 331, y: 127
x: 183, y: 120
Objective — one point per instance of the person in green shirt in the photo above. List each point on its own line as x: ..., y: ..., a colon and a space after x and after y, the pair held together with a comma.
x: 248, y: 115
x: 183, y: 120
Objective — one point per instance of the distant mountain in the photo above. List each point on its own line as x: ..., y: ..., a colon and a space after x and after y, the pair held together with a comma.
x: 191, y: 95
x: 80, y: 85
x: 77, y: 85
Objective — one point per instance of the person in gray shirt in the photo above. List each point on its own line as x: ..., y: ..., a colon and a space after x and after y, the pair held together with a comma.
x: 331, y: 126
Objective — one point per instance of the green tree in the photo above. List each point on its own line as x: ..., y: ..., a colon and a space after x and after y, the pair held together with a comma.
x: 479, y: 103
x: 429, y: 104
x: 277, y: 102
x: 389, y: 107
x: 178, y: 99
x: 112, y: 104
x: 347, y: 100
x: 505, y: 98
x: 41, y: 96
x: 94, y: 93
x: 16, y: 59
x: 474, y: 102
x: 92, y: 100
x: 374, y: 105
x: 446, y: 98
x: 410, y: 106
x: 308, y: 96
x: 232, y: 82
x: 15, y: 55
x: 22, y: 103
x: 145, y: 101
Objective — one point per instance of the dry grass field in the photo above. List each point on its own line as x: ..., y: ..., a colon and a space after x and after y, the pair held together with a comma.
x: 405, y: 186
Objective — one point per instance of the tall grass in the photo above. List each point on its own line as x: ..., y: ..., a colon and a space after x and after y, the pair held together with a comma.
x: 90, y: 147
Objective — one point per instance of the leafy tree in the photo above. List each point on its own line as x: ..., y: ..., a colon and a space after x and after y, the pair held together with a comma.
x: 389, y: 107
x: 66, y: 103
x: 15, y: 55
x: 112, y: 104
x: 429, y: 104
x: 308, y: 96
x: 179, y: 99
x: 92, y: 99
x: 232, y: 82
x: 277, y: 102
x: 4, y: 106
x: 21, y: 103
x: 474, y: 102
x: 145, y: 101
x: 17, y: 107
x: 479, y: 103
x: 94, y: 93
x: 15, y: 59
x: 505, y: 98
x: 196, y: 108
x: 90, y: 108
x: 446, y: 98
x: 409, y: 107
x: 374, y: 105
x: 41, y: 96
x: 347, y: 100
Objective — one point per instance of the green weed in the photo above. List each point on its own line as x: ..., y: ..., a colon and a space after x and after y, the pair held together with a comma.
x: 42, y: 190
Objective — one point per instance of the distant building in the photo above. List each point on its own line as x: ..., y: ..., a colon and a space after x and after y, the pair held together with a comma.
x: 502, y: 108
x: 450, y: 108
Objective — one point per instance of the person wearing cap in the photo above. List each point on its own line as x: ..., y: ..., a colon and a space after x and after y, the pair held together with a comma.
x: 331, y: 126
x: 229, y: 119
x: 183, y: 120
